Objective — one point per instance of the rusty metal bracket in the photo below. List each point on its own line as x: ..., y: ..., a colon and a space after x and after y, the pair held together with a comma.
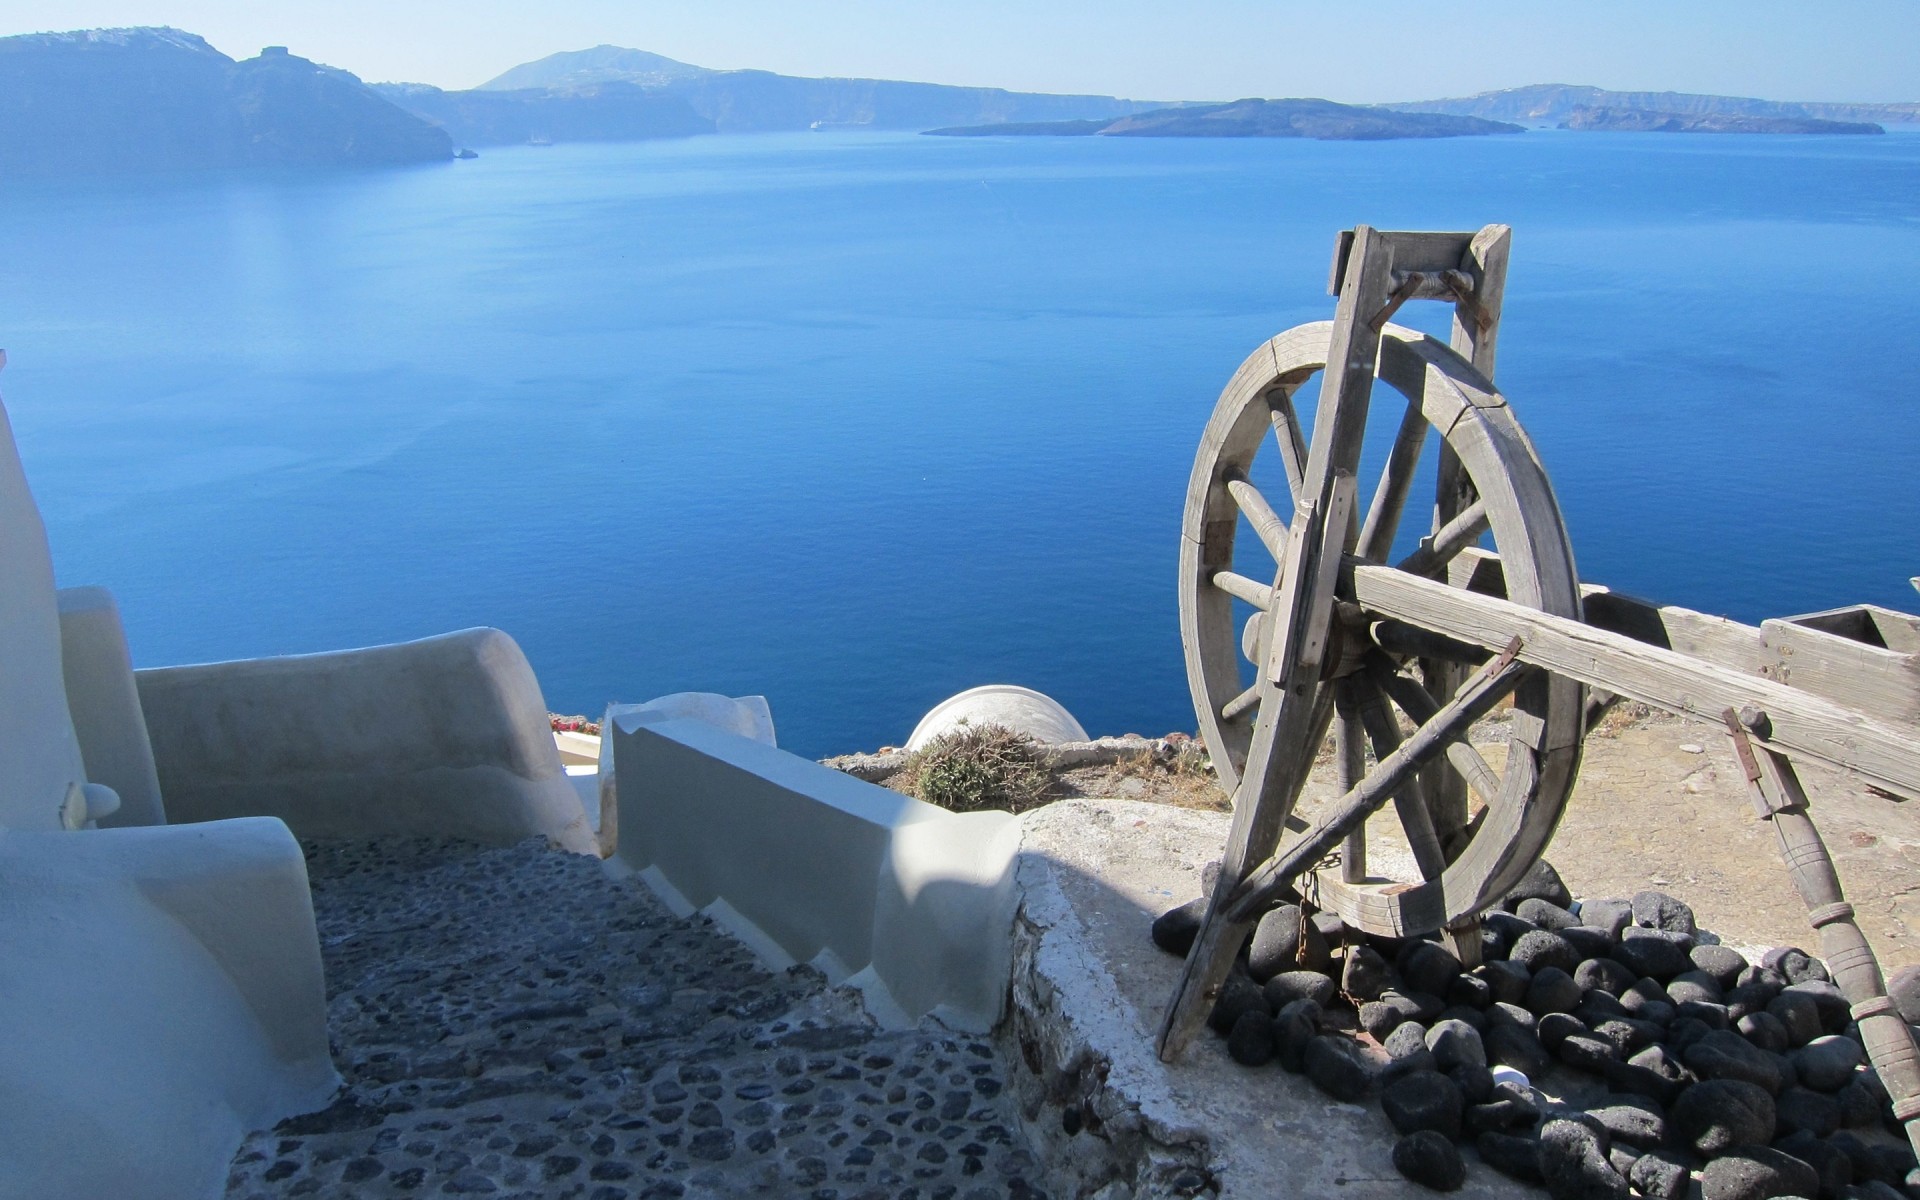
x: 1750, y: 766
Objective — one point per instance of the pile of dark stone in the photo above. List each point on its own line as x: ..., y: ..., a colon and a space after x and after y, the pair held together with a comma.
x: 1602, y: 1049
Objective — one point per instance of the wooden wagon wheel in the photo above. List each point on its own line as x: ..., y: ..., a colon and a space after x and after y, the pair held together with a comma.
x: 1463, y: 864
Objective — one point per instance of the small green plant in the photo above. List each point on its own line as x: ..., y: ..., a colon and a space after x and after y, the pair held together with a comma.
x: 979, y: 767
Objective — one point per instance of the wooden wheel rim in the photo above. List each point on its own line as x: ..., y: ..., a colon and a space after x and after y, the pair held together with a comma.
x: 1537, y: 561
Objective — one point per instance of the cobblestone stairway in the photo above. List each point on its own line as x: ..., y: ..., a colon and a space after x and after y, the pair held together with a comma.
x: 512, y: 1022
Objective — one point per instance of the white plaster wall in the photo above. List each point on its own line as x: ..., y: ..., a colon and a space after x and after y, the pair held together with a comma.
x: 105, y: 705
x: 807, y: 863
x: 33, y: 706
x: 447, y: 736
x: 162, y: 995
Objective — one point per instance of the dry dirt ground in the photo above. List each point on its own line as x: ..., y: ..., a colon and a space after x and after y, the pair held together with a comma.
x: 1660, y: 803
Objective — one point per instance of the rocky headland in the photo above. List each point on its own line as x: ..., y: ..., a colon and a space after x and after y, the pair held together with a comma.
x: 116, y: 101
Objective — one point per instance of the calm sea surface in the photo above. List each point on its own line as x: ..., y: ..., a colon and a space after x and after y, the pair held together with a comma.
x: 860, y: 421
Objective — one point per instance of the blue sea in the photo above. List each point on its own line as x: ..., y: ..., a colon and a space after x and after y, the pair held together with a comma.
x: 858, y: 421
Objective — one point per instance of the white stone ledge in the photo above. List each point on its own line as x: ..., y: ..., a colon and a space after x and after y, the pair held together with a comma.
x: 910, y: 902
x: 443, y: 737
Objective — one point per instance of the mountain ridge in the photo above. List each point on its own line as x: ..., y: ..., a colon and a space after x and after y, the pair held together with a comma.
x: 1320, y: 120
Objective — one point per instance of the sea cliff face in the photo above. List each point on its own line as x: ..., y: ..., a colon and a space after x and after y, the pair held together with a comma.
x: 113, y: 101
x: 1632, y: 120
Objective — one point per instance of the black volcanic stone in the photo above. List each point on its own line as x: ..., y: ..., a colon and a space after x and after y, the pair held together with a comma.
x: 1628, y: 1035
x: 1764, y: 1030
x: 1336, y: 1066
x: 1835, y: 1012
x: 1654, y: 953
x: 1663, y: 1062
x: 1743, y: 998
x: 1696, y: 986
x: 1633, y: 1120
x: 1285, y: 940
x: 1587, y: 1052
x: 1541, y: 882
x: 1468, y: 991
x: 1608, y: 916
x: 1800, y: 1014
x: 1630, y: 1080
x: 1428, y: 967
x: 1552, y: 990
x: 1331, y: 928
x: 1381, y: 1016
x: 1597, y: 1006
x: 1511, y: 1014
x: 1722, y: 1054
x: 1661, y: 1175
x: 1237, y: 995
x: 1798, y: 1110
x: 1506, y: 981
x: 1555, y: 1028
x: 1826, y: 1064
x: 1500, y: 1116
x: 1506, y: 928
x: 1538, y: 949
x: 1860, y: 1107
x: 1514, y: 1157
x: 1761, y: 973
x: 1604, y: 975
x: 1685, y: 1031
x: 1657, y: 910
x: 1423, y: 1100
x: 1407, y: 1040
x: 1796, y: 964
x: 1283, y: 989
x: 1833, y: 1168
x: 1574, y: 1165
x: 1621, y: 1159
x: 1545, y: 914
x: 1715, y: 1115
x: 1430, y: 1160
x: 1587, y: 943
x: 1455, y: 1044
x: 1366, y: 974
x: 1251, y: 1042
x: 1713, y: 1016
x: 1475, y: 1083
x: 1475, y: 1017
x: 1511, y: 1046
x: 1756, y: 1173
x: 1722, y: 962
x: 1175, y: 929
x: 1294, y: 1029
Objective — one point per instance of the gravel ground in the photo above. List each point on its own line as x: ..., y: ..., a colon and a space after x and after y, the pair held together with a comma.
x: 512, y: 1022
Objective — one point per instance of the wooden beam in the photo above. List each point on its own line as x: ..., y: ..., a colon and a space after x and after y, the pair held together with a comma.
x: 1802, y: 723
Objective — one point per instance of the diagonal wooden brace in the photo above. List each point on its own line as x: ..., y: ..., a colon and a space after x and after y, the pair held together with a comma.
x: 1488, y: 686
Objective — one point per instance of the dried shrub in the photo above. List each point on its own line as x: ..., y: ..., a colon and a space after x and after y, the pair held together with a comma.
x: 978, y: 767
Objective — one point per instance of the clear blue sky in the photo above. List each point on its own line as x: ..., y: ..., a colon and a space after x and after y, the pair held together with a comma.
x: 1146, y: 49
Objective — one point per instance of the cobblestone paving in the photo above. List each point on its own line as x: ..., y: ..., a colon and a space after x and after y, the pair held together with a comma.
x: 511, y: 1022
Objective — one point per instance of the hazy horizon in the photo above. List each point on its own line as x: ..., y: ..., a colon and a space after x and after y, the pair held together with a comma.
x: 1855, y: 50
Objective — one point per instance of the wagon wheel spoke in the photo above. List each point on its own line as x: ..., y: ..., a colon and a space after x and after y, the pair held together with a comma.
x: 1444, y: 545
x: 1350, y: 757
x: 1413, y: 699
x: 1410, y: 802
x: 1286, y: 432
x: 1267, y: 524
x: 1396, y: 481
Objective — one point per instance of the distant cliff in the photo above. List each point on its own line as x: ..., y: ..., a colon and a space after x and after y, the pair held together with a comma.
x: 1322, y: 120
x: 1551, y: 103
x: 128, y: 100
x: 1636, y: 120
x: 596, y: 112
x: 761, y: 101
